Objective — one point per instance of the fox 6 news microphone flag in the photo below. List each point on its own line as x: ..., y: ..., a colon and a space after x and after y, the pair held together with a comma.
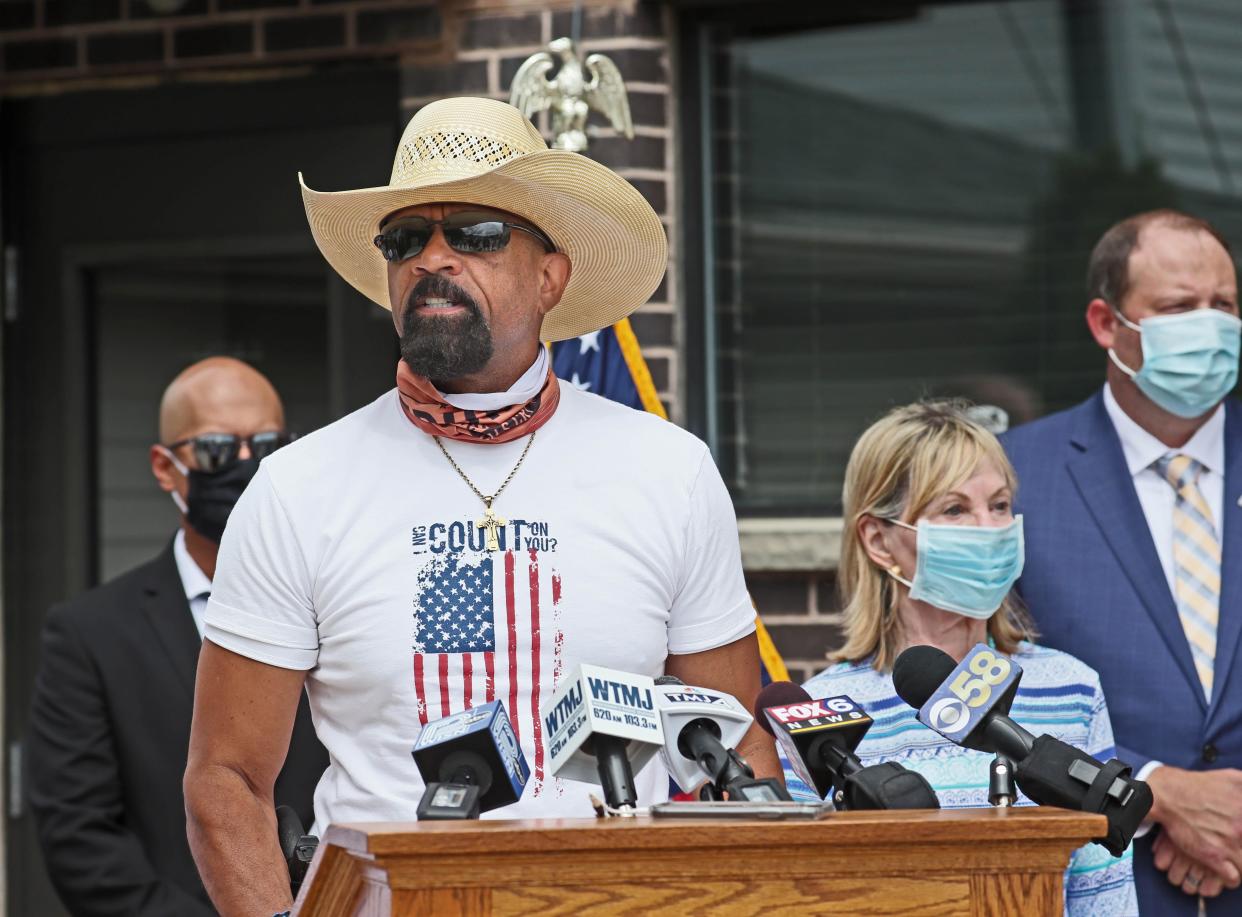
x: 818, y: 738
x: 610, y: 363
x: 838, y: 719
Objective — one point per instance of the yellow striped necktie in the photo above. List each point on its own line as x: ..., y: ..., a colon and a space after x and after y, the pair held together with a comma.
x: 1196, y: 562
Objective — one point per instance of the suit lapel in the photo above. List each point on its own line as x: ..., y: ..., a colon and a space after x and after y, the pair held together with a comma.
x: 1229, y: 624
x: 168, y: 612
x: 1098, y: 466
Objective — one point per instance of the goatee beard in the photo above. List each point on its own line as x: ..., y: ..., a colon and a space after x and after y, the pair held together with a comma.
x: 447, y: 347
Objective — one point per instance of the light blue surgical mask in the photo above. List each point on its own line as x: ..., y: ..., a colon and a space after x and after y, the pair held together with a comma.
x: 968, y: 569
x: 1190, y: 359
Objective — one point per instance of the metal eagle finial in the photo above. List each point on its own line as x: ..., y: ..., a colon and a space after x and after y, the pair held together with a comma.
x: 577, y: 87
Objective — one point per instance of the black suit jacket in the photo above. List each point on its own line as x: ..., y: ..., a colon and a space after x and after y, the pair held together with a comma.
x: 109, y: 735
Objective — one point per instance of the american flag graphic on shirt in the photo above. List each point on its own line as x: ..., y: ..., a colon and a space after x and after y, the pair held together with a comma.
x: 486, y: 627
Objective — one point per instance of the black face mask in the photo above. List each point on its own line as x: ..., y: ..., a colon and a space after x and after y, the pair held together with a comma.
x: 212, y: 496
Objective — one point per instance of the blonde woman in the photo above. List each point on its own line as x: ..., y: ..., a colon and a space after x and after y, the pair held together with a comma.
x: 929, y: 552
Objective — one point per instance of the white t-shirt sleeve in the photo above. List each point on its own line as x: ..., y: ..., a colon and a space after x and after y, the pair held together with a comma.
x: 261, y: 604
x: 712, y: 607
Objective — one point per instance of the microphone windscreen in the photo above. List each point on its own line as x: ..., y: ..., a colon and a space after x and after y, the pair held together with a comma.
x: 778, y: 694
x: 919, y: 671
x: 288, y: 830
x: 669, y: 680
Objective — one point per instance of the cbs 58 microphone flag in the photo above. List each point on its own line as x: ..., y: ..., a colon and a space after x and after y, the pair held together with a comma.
x: 610, y: 363
x: 968, y: 704
x: 983, y: 683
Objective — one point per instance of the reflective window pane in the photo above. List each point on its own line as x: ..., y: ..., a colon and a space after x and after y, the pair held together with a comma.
x: 905, y: 208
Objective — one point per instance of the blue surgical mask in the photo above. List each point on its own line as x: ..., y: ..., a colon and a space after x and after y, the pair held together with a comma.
x: 968, y: 569
x: 1190, y: 359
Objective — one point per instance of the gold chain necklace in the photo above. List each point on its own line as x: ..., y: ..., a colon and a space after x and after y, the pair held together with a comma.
x: 490, y: 521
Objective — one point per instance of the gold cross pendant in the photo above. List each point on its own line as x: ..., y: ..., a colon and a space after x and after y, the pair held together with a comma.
x: 490, y: 523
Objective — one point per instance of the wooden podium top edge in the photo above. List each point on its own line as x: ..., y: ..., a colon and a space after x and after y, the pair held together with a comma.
x: 892, y: 827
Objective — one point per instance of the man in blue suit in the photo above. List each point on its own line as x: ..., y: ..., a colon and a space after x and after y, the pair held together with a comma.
x: 1133, y: 515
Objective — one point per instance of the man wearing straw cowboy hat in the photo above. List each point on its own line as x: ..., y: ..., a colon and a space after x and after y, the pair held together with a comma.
x: 476, y: 533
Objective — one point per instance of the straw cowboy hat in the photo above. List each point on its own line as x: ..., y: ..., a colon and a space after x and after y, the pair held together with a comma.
x: 480, y: 151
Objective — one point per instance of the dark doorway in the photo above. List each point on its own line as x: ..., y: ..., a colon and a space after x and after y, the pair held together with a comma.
x: 151, y: 227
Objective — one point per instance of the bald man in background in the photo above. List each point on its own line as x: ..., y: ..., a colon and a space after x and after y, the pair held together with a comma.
x: 110, y: 720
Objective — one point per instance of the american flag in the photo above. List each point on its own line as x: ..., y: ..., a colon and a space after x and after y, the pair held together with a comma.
x: 486, y: 626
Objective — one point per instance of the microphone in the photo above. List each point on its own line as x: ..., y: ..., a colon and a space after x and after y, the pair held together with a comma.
x: 701, y: 728
x: 969, y: 703
x: 970, y: 707
x: 819, y: 738
x: 602, y: 725
x: 471, y: 763
x: 296, y: 845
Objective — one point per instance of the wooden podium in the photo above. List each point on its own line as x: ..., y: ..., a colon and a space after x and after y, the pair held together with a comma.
x: 980, y: 862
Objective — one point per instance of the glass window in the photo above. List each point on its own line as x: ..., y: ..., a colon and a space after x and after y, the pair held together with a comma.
x: 905, y: 208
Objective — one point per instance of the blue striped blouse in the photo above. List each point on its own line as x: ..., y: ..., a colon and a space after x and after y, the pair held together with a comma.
x: 1058, y: 695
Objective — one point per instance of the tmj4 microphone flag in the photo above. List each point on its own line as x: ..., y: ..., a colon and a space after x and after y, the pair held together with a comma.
x: 610, y: 363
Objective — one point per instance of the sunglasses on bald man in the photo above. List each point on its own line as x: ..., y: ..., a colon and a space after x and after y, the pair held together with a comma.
x: 216, y: 451
x: 470, y: 232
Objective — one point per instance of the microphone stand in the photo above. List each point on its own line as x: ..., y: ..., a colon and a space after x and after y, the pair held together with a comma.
x: 616, y: 777
x: 1001, y: 790
x: 878, y: 786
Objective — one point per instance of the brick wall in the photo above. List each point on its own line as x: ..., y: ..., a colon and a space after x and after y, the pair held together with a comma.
x: 488, y: 48
x: 444, y: 47
x: 801, y: 612
x: 82, y: 42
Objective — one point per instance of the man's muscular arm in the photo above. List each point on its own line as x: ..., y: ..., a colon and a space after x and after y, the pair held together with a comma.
x: 734, y: 669
x: 243, y: 717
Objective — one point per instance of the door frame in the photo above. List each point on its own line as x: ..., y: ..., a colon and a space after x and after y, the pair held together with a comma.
x: 80, y: 420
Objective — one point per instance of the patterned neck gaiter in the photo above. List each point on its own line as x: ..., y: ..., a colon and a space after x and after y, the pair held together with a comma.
x: 427, y: 410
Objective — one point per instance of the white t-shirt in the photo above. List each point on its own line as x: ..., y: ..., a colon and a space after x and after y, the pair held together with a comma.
x: 355, y: 554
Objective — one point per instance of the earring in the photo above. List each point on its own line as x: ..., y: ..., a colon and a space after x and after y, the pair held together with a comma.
x: 895, y: 569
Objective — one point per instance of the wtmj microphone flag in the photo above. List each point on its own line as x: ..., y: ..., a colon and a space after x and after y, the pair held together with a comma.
x: 610, y: 363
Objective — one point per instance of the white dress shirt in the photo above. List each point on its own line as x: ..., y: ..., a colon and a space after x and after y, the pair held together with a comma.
x: 1156, y: 495
x: 195, y: 582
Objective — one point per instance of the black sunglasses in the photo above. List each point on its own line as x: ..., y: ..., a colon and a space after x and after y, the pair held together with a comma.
x: 470, y: 232
x: 216, y: 451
